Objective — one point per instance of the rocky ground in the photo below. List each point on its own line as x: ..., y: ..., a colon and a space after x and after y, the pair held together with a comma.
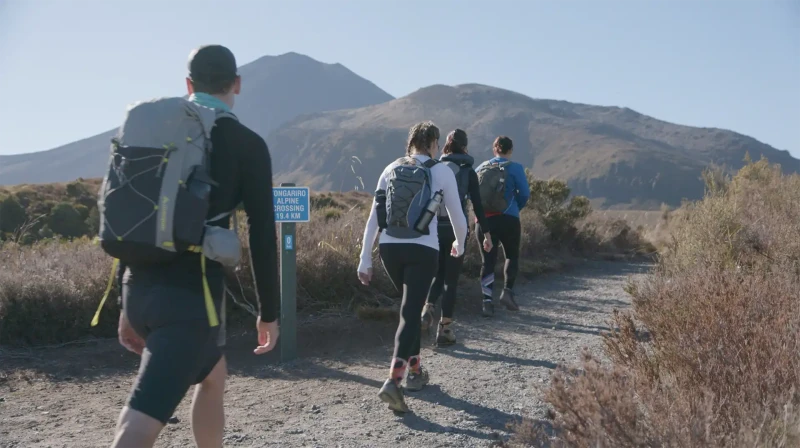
x: 71, y: 396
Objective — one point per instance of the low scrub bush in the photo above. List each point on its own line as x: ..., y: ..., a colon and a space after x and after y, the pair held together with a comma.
x: 721, y: 308
x: 615, y: 236
x: 558, y: 211
x: 31, y: 213
x: 49, y: 289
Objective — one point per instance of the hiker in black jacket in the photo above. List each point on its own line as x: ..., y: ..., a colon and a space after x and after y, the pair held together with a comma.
x: 456, y: 156
x: 163, y: 314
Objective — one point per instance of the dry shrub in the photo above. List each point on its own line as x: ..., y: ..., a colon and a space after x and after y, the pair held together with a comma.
x: 49, y: 291
x: 660, y: 234
x: 612, y: 235
x: 328, y: 250
x: 720, y: 366
x: 535, y: 237
x: 328, y: 253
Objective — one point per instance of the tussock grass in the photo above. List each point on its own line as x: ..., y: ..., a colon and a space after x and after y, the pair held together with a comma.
x: 720, y: 368
x: 49, y: 290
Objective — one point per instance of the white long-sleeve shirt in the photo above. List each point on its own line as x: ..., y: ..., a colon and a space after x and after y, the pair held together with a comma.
x: 442, y: 178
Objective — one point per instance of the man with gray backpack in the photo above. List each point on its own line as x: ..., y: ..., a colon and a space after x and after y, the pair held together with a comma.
x: 178, y: 170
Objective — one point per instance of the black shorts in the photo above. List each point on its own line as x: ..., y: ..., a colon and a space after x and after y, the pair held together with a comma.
x: 181, y: 346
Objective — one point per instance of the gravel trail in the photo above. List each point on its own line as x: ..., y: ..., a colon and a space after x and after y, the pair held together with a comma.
x: 71, y: 396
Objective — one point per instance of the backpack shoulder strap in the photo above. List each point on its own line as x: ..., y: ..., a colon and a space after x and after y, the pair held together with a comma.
x: 219, y: 114
x: 225, y: 114
x: 430, y: 163
x: 463, y: 175
x: 450, y: 164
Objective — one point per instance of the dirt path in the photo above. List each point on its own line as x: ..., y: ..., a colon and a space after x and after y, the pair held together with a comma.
x: 71, y: 396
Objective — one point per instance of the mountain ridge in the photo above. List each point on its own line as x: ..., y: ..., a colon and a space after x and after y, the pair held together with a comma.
x: 331, y: 129
x: 603, y: 152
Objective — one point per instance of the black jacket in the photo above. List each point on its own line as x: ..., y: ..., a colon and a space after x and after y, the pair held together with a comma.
x: 240, y: 163
x: 473, y: 189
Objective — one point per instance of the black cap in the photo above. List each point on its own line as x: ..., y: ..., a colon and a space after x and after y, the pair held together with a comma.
x: 212, y: 63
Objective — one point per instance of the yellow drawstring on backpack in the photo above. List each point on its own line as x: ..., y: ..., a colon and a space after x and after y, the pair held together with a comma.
x: 211, y: 311
x: 96, y: 318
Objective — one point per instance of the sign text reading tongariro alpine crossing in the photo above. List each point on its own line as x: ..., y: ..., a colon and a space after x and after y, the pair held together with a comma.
x: 291, y: 204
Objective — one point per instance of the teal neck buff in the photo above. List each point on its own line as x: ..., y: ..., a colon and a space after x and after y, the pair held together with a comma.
x: 209, y: 101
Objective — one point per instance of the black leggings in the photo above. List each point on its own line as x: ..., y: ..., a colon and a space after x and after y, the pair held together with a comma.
x: 505, y: 230
x: 447, y: 275
x: 411, y: 268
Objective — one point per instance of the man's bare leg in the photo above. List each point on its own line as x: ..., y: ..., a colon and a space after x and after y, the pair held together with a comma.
x: 208, y: 412
x: 136, y: 430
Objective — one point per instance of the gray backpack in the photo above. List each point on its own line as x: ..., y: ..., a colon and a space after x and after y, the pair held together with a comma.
x: 492, y: 180
x: 408, y: 192
x: 154, y: 199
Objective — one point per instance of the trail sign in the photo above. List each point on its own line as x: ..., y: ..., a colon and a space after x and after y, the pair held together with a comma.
x: 288, y: 242
x: 292, y: 204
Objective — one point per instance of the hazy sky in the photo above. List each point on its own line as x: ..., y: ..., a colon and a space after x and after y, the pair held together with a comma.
x: 68, y: 68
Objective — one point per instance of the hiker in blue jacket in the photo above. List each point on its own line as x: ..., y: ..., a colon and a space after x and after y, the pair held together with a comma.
x: 502, y: 205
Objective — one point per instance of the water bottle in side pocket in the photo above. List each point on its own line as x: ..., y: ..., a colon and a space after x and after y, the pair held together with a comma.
x: 430, y: 211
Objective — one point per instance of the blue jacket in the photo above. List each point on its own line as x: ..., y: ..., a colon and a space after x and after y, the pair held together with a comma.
x: 517, y: 189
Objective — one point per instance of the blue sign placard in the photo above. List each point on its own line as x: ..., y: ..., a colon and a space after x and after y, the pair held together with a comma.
x: 288, y: 242
x: 292, y: 204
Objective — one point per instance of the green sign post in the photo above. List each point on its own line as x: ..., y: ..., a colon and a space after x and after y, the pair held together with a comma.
x: 292, y: 205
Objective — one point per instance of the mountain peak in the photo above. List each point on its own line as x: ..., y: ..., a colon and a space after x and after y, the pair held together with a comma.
x: 275, y: 89
x: 294, y: 54
x: 298, y: 58
x: 291, y: 58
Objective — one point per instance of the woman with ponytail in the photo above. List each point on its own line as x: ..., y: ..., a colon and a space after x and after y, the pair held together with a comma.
x: 405, y: 214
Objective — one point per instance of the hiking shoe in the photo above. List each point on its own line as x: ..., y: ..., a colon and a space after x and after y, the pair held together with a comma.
x: 507, y: 300
x: 416, y: 381
x: 488, y: 308
x: 392, y: 394
x: 445, y: 335
x: 428, y: 317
